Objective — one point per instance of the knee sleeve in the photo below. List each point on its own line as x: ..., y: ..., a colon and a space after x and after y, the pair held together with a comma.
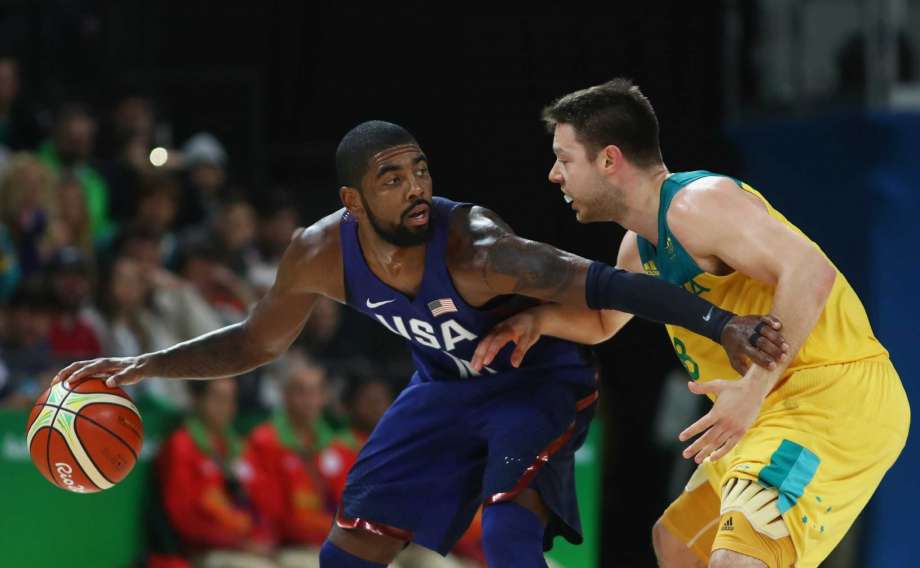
x: 752, y: 525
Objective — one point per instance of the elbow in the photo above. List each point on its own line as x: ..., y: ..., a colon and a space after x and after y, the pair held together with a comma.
x: 827, y: 279
x: 823, y: 277
x: 265, y: 354
x: 606, y: 329
x: 598, y: 339
x: 257, y: 351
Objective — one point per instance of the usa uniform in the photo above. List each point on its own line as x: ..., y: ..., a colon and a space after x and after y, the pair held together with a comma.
x: 455, y: 438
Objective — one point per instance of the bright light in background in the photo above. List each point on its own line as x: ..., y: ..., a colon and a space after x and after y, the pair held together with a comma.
x: 158, y: 156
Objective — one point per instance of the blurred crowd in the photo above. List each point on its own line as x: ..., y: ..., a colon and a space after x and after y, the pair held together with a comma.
x: 113, y: 243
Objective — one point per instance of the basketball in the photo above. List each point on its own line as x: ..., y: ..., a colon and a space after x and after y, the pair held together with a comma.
x: 84, y: 439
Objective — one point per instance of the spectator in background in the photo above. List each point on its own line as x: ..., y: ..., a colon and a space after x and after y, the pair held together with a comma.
x: 291, y: 492
x: 19, y: 127
x: 225, y: 292
x: 235, y: 231
x: 132, y: 328
x: 73, y: 226
x: 183, y: 309
x: 26, y: 349
x: 69, y: 151
x: 9, y: 265
x: 157, y: 208
x: 203, y: 484
x: 212, y: 297
x: 364, y: 398
x: 127, y: 147
x: 321, y: 336
x: 76, y: 331
x: 134, y: 119
x: 28, y: 208
x: 278, y: 221
x: 205, y: 163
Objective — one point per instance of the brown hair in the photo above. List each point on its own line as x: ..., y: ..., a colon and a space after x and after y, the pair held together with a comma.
x: 613, y: 113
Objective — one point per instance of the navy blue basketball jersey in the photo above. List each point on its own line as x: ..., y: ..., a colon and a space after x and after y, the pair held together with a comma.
x: 443, y: 330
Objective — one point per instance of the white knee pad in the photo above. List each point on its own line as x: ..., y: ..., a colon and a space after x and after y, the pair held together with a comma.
x: 757, y: 503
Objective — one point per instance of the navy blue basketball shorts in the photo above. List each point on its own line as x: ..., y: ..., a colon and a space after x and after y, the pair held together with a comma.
x: 445, y: 447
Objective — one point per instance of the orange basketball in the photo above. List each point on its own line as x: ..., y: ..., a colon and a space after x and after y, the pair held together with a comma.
x: 86, y: 439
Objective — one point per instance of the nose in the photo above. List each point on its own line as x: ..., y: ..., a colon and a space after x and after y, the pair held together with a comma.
x: 555, y: 175
x: 415, y: 189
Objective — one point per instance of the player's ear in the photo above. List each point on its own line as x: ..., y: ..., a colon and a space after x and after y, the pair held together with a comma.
x: 610, y: 158
x: 351, y: 199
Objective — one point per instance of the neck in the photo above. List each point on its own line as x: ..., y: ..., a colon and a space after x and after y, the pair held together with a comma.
x: 643, y: 191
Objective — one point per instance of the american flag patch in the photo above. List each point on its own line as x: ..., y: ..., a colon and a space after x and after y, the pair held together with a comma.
x: 442, y: 306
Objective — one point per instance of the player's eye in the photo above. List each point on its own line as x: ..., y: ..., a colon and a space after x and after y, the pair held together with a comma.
x: 393, y: 181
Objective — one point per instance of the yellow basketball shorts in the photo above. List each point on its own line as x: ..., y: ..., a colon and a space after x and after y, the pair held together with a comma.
x: 823, y: 440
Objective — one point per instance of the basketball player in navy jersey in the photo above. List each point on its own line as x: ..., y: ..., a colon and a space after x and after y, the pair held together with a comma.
x: 441, y: 274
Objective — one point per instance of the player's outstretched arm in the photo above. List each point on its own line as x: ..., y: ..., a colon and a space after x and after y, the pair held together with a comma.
x: 268, y: 331
x: 573, y: 323
x: 509, y: 264
x: 749, y: 240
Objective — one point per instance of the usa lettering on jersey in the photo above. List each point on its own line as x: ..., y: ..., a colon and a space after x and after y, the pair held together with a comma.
x: 446, y: 338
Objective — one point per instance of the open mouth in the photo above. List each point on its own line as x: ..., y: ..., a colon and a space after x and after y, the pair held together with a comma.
x: 567, y: 197
x: 418, y: 215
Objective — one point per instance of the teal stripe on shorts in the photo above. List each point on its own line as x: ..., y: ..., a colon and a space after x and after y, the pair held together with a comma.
x: 790, y: 470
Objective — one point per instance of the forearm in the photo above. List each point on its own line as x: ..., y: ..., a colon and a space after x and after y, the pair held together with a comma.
x: 579, y: 325
x: 800, y: 296
x: 222, y: 353
x: 653, y: 299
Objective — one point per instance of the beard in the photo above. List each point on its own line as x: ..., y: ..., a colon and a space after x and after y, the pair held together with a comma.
x: 606, y: 203
x: 400, y: 235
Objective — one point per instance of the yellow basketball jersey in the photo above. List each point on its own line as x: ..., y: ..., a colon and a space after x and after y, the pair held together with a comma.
x: 842, y: 333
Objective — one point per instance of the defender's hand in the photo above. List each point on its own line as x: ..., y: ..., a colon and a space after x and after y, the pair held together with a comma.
x: 523, y: 329
x: 756, y: 339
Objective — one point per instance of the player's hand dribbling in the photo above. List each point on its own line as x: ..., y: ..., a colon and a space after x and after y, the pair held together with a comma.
x: 523, y: 329
x: 120, y: 371
x: 767, y: 349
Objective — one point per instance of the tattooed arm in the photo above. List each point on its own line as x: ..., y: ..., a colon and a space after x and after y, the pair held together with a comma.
x: 497, y: 262
x: 492, y: 261
x: 308, y: 268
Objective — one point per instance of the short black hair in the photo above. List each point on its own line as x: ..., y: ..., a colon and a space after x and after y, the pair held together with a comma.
x: 613, y: 113
x: 362, y: 142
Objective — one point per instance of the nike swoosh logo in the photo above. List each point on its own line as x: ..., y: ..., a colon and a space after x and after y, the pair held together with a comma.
x: 373, y: 305
x: 706, y: 317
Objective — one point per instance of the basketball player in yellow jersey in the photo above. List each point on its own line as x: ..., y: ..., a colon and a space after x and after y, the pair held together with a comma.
x: 789, y: 455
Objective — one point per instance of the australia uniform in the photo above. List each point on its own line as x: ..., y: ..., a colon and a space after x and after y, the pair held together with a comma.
x: 455, y: 438
x: 826, y: 434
